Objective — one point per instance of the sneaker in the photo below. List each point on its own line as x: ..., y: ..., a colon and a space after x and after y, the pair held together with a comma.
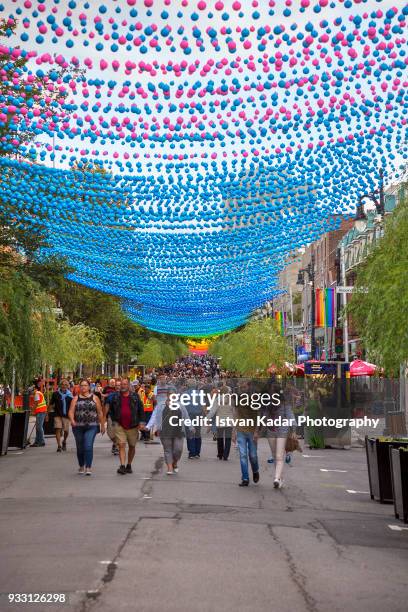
x: 81, y: 471
x: 121, y: 470
x: 175, y: 470
x: 129, y: 469
x: 116, y: 452
x: 64, y: 446
x: 113, y: 451
x: 256, y: 477
x: 271, y: 460
x: 88, y: 472
x: 278, y: 483
x: 288, y: 458
x: 244, y: 483
x: 169, y: 473
x: 59, y: 450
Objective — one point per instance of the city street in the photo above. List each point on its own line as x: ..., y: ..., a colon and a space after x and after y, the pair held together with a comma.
x: 113, y: 542
x: 203, y: 232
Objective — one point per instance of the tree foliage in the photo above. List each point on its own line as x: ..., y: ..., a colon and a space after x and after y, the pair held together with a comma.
x: 379, y: 305
x: 32, y: 334
x: 252, y: 349
x: 159, y: 352
x: 103, y: 312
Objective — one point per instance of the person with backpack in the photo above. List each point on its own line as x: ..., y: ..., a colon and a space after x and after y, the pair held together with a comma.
x: 171, y: 431
x: 194, y: 440
x: 61, y: 401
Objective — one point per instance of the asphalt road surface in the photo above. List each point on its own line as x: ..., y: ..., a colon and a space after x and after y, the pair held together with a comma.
x: 196, y: 541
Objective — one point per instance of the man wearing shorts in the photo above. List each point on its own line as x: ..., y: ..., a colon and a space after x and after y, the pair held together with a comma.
x: 127, y: 414
x: 60, y: 402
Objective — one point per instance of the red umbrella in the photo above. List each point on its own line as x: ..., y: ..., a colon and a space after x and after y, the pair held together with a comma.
x: 362, y: 368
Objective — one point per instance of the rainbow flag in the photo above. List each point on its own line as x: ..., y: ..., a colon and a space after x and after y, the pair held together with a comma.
x: 281, y: 319
x: 325, y: 308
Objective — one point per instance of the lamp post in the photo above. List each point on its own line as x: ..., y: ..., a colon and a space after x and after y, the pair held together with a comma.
x: 310, y: 271
x: 378, y: 197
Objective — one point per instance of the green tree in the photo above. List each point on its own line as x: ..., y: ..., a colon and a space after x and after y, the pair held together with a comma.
x: 103, y: 312
x: 252, y: 349
x: 75, y: 344
x: 32, y: 336
x: 151, y: 355
x: 160, y: 351
x: 379, y: 305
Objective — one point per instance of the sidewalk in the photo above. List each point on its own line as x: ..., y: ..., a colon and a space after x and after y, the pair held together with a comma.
x: 196, y: 541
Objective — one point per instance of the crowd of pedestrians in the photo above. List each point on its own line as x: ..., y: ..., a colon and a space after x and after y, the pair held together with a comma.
x: 130, y: 412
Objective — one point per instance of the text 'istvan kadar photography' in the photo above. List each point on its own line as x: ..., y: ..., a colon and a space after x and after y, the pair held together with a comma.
x: 204, y: 305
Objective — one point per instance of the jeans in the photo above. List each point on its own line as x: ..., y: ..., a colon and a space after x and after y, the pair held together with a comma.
x: 223, y: 442
x: 194, y: 443
x: 84, y: 437
x: 247, y: 446
x: 39, y: 427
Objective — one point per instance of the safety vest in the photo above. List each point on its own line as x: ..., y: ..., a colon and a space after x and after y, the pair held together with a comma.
x: 42, y: 405
x: 148, y: 402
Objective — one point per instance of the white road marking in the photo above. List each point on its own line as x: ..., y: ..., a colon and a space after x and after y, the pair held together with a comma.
x: 107, y: 562
x: 326, y: 470
x: 397, y: 528
x: 362, y: 492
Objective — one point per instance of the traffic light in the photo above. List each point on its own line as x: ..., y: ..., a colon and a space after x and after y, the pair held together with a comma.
x: 338, y: 340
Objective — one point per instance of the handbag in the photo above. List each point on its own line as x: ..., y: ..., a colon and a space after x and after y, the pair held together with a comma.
x: 292, y: 443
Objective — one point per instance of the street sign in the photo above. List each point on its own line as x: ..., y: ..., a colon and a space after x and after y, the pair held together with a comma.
x: 325, y: 367
x: 350, y: 289
x: 345, y: 289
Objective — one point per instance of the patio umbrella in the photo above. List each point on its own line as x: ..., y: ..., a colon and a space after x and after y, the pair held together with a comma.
x: 362, y: 368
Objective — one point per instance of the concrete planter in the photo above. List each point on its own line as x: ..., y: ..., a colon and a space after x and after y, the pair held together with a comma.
x: 379, y: 467
x: 19, y: 429
x: 399, y: 471
x: 5, y: 422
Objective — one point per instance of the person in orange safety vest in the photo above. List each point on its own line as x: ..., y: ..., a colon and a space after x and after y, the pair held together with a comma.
x: 149, y: 402
x: 40, y: 412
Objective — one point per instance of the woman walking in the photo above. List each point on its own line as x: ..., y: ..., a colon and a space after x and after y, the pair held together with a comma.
x: 277, y: 434
x: 168, y: 423
x: 87, y: 418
